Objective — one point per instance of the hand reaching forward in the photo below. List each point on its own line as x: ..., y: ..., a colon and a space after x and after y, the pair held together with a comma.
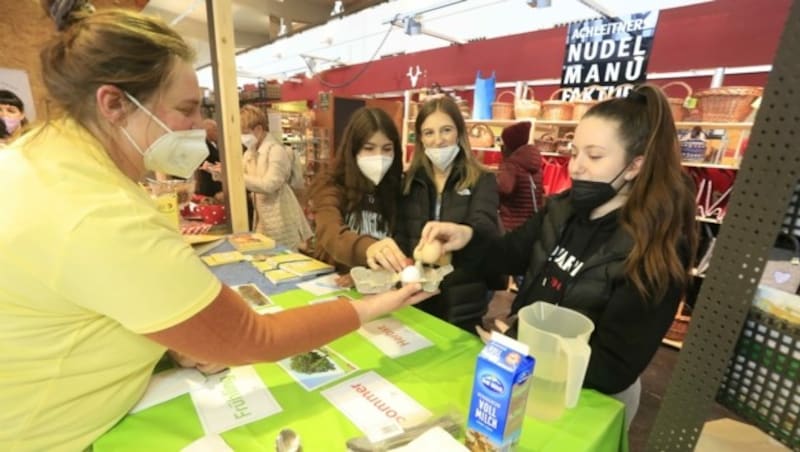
x: 377, y: 305
x: 215, y: 169
x: 387, y: 255
x: 453, y: 236
x: 186, y: 361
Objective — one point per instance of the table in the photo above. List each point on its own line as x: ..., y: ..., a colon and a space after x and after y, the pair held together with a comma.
x: 438, y: 377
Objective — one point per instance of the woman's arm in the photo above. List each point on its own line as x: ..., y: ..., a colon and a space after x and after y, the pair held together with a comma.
x: 626, y: 337
x: 273, y: 168
x: 509, y: 254
x: 228, y: 331
x: 332, y: 233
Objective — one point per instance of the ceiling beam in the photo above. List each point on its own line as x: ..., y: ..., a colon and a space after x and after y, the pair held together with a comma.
x: 195, y: 29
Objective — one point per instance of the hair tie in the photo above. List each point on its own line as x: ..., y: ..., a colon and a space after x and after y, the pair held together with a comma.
x: 638, y: 97
x: 61, y: 10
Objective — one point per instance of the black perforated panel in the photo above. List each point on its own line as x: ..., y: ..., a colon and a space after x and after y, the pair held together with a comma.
x: 762, y: 192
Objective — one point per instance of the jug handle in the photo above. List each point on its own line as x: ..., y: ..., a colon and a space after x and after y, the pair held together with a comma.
x: 578, y: 353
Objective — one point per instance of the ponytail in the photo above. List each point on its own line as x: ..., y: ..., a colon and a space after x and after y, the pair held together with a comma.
x: 660, y: 209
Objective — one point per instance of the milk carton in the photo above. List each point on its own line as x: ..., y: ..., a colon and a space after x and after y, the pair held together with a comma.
x: 499, y: 393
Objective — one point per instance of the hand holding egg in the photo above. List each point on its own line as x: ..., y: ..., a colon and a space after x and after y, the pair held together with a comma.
x: 428, y: 253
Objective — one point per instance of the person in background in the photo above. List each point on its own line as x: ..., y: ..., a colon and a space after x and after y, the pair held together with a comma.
x: 446, y: 183
x: 519, y: 178
x: 617, y: 247
x: 97, y: 286
x: 205, y: 184
x: 354, y: 202
x: 268, y: 168
x: 12, y: 113
x: 4, y: 135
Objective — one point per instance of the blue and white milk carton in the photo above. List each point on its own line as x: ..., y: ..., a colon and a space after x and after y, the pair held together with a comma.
x: 499, y: 393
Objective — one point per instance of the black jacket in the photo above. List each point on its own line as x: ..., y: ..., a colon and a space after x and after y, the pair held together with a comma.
x: 205, y: 185
x: 628, y: 328
x: 463, y: 299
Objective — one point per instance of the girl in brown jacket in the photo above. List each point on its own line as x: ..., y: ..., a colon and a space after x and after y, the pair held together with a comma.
x: 354, y: 202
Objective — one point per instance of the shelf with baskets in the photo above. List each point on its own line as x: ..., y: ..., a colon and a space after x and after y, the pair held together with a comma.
x: 723, y: 147
x: 318, y: 151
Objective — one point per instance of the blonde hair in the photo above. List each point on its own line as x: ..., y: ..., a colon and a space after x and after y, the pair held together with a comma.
x: 132, y: 51
x: 471, y: 169
x: 252, y: 116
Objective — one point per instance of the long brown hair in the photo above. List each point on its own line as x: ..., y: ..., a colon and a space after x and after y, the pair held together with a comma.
x: 363, y: 124
x: 465, y: 162
x: 132, y: 51
x: 659, y: 213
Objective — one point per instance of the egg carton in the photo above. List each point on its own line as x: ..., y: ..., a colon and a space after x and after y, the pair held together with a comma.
x: 369, y: 281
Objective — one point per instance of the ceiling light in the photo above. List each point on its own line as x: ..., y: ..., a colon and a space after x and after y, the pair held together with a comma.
x: 282, y: 29
x: 539, y: 3
x: 412, y: 26
x: 338, y: 8
x: 313, y: 63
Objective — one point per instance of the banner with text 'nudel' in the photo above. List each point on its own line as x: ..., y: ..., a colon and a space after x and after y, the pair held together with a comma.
x: 607, y: 53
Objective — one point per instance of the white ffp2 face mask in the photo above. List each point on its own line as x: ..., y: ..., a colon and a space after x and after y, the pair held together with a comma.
x: 442, y: 157
x: 374, y: 167
x: 177, y: 152
x: 249, y: 140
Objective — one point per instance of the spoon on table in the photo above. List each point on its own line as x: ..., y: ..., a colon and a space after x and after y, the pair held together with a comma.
x: 288, y: 441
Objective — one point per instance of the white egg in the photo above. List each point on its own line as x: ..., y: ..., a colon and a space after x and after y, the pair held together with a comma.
x: 410, y: 274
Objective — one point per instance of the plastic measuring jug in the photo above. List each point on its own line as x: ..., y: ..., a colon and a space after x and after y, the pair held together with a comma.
x: 558, y: 339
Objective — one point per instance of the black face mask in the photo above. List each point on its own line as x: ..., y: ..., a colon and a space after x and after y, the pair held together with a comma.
x: 588, y: 195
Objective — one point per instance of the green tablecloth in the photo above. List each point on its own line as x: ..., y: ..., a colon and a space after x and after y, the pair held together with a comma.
x: 438, y: 377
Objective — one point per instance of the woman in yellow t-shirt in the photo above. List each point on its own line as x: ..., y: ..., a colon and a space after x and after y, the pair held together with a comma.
x: 96, y: 285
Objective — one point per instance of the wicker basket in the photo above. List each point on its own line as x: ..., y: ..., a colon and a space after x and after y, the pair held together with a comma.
x: 545, y: 143
x: 564, y: 144
x: 556, y: 110
x: 503, y: 110
x: 728, y: 103
x: 527, y: 107
x: 480, y: 136
x: 676, y: 103
x: 581, y: 106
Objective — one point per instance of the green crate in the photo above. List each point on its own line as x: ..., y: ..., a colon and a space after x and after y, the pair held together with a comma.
x: 761, y: 381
